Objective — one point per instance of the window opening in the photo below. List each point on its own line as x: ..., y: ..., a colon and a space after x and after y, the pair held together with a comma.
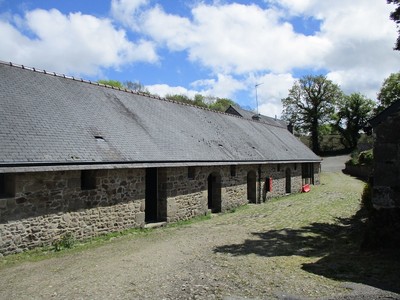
x: 88, y: 180
x: 7, y: 185
x: 233, y: 171
x: 191, y: 172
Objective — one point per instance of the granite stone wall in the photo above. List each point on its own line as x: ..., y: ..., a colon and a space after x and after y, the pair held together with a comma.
x: 48, y: 205
x: 386, y: 185
x: 41, y: 207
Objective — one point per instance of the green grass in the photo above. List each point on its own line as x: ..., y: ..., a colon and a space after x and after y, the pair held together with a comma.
x: 316, y: 233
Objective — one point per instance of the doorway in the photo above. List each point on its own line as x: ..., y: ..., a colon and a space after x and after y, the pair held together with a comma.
x: 214, y: 192
x: 252, y: 187
x: 288, y: 181
x: 151, y: 195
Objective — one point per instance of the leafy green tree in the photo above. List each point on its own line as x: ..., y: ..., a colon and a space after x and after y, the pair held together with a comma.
x: 310, y: 104
x: 114, y: 83
x: 199, y: 100
x: 179, y: 98
x: 390, y: 91
x: 353, y: 112
x: 395, y: 16
x: 221, y: 104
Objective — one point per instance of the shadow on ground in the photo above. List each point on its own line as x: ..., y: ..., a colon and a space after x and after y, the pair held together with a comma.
x: 337, y: 245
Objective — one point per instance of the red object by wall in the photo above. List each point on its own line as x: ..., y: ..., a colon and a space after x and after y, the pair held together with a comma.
x: 306, y: 188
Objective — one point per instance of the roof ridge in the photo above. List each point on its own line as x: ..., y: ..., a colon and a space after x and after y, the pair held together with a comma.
x: 11, y: 64
x: 33, y: 69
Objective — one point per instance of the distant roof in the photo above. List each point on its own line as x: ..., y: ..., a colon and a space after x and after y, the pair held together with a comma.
x: 48, y: 120
x: 238, y: 111
x: 394, y: 108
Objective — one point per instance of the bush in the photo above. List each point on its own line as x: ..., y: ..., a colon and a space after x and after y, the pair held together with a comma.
x: 361, y: 158
x: 366, y: 198
x: 366, y: 157
x: 66, y: 241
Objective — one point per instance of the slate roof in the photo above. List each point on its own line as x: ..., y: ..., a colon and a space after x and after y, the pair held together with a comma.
x: 49, y: 120
x: 234, y: 110
x: 392, y: 109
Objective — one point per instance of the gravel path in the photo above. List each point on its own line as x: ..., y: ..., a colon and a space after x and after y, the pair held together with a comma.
x: 334, y: 163
x: 241, y: 255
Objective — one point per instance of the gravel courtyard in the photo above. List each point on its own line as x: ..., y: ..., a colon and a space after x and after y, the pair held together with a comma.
x: 296, y: 247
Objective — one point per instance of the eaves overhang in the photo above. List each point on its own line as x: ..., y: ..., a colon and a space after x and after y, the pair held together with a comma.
x: 73, y: 166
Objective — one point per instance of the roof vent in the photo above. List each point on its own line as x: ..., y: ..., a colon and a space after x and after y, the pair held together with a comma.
x: 99, y: 138
x: 256, y: 117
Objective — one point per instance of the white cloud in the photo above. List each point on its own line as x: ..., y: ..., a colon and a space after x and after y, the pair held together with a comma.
x: 235, y: 38
x: 271, y: 90
x: 222, y: 87
x: 127, y: 11
x: 163, y: 89
x: 230, y: 41
x: 74, y: 43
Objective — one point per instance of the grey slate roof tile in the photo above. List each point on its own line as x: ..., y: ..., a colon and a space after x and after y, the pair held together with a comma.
x: 52, y: 119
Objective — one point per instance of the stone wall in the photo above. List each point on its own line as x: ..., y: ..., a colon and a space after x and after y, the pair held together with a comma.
x: 386, y: 187
x: 48, y: 205
x: 189, y: 198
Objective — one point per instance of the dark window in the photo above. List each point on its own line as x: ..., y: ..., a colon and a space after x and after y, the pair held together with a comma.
x: 233, y: 171
x: 7, y: 185
x: 278, y: 167
x: 88, y: 180
x: 295, y: 166
x: 191, y: 172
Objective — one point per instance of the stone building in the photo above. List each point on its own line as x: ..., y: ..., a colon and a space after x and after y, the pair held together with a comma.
x: 82, y: 158
x: 386, y: 183
x: 383, y: 229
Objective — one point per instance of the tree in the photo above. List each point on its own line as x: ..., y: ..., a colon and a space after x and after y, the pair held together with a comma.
x: 114, y: 83
x: 311, y: 103
x: 353, y: 112
x: 136, y: 86
x: 179, y: 98
x: 395, y: 16
x: 199, y: 100
x: 390, y: 91
x: 221, y: 104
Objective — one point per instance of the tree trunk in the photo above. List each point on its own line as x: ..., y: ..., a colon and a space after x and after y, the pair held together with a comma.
x: 314, y: 138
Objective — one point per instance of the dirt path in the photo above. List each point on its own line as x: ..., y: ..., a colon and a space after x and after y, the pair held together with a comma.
x: 334, y: 163
x: 285, y: 249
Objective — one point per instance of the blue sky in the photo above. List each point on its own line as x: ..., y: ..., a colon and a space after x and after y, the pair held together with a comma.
x: 216, y: 48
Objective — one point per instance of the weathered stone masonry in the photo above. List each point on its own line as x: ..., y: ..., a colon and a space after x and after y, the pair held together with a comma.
x: 47, y: 205
x: 387, y: 163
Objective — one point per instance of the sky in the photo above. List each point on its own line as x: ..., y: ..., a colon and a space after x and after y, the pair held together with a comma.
x: 216, y: 48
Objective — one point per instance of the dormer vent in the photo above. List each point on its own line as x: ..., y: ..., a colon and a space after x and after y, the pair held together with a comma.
x: 99, y: 138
